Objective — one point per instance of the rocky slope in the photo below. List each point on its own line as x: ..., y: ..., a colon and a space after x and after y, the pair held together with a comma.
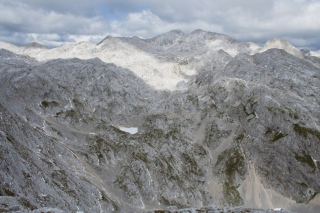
x: 219, y: 122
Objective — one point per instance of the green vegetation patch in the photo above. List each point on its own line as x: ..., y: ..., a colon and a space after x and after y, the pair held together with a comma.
x: 233, y: 166
x: 235, y: 161
x: 232, y: 195
x: 27, y: 204
x: 278, y: 136
x: 303, y: 131
x: 59, y: 177
x: 305, y: 158
x: 46, y: 104
x: 294, y: 115
x: 7, y: 192
x: 240, y: 138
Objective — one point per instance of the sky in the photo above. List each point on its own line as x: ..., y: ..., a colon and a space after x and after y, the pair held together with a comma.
x: 57, y: 22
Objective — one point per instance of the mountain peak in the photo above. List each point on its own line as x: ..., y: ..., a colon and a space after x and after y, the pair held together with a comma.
x: 106, y: 38
x: 277, y: 41
x: 35, y: 45
x: 280, y: 43
x: 176, y: 31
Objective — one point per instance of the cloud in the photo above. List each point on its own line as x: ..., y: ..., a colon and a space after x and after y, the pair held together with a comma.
x: 73, y: 20
x: 76, y: 7
x: 23, y: 18
x: 146, y: 24
x: 294, y: 21
x: 21, y: 23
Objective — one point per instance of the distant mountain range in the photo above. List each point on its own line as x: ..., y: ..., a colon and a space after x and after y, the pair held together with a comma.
x: 197, y: 121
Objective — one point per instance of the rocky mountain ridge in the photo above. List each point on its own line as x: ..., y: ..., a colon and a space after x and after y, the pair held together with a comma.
x: 237, y: 125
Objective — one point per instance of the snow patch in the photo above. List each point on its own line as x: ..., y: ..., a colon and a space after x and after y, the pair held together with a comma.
x: 315, y: 161
x: 131, y: 130
x: 277, y: 209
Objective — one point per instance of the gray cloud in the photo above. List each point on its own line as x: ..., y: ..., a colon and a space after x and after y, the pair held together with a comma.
x: 62, y: 21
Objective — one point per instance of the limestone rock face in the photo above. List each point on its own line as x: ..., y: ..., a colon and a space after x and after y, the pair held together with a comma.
x: 241, y: 129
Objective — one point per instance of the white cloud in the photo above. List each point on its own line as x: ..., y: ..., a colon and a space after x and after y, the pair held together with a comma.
x: 146, y: 24
x: 91, y: 38
x: 30, y: 20
x: 73, y: 20
x: 294, y: 20
x: 21, y: 24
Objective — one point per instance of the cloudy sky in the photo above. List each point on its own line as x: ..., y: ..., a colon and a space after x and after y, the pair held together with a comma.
x: 57, y: 22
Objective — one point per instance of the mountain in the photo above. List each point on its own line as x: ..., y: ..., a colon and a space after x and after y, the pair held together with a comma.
x: 195, y: 44
x: 198, y: 121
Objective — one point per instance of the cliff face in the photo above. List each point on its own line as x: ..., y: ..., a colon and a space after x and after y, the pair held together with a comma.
x: 243, y: 130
